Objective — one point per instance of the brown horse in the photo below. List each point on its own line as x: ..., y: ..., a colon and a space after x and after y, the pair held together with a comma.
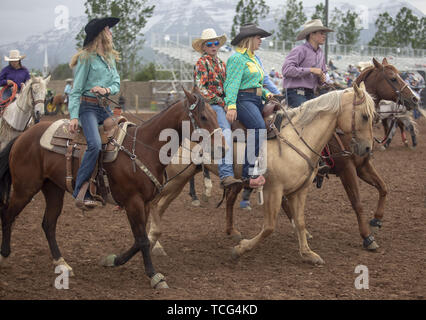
x: 58, y: 104
x: 132, y: 190
x: 346, y: 168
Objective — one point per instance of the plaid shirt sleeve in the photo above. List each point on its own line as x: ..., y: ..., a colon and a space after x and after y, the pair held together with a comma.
x: 201, y: 79
x: 234, y: 74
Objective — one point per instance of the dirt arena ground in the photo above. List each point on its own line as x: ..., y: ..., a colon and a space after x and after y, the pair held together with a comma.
x: 199, y: 264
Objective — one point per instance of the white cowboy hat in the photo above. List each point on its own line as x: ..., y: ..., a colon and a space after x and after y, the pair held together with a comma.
x: 14, y: 56
x: 312, y: 26
x: 362, y: 65
x: 207, y: 34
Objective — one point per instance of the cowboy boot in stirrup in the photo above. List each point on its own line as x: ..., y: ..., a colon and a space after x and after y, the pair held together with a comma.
x: 229, y: 181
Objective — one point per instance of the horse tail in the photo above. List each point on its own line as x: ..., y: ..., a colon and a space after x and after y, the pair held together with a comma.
x: 5, y: 177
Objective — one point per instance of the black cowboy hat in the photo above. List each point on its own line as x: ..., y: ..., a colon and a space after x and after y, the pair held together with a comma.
x: 95, y: 26
x: 249, y: 30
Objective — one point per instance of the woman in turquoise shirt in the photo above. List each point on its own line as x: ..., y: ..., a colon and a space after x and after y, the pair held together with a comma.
x: 244, y: 93
x: 95, y: 73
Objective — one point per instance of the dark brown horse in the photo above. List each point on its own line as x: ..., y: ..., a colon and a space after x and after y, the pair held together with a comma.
x: 382, y: 81
x: 58, y: 104
x: 132, y: 190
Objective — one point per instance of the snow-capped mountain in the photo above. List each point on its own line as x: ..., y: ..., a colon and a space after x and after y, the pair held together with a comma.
x: 184, y: 18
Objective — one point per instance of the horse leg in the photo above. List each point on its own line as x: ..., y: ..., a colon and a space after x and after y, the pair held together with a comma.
x: 54, y: 197
x: 369, y: 174
x: 403, y: 135
x: 348, y: 177
x: 207, y: 186
x: 195, y: 202
x: 137, y: 215
x: 231, y: 196
x: 17, y: 203
x: 296, y: 205
x: 271, y: 207
x: 172, y: 189
x: 287, y: 211
x: 410, y: 128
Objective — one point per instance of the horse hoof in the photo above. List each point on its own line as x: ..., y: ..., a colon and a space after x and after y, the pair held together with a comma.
x: 158, y: 282
x: 108, y: 261
x: 205, y: 197
x: 373, y: 246
x: 61, y: 262
x: 3, y: 261
x: 195, y: 203
x: 234, y: 254
x: 382, y: 148
x: 158, y: 251
x: 236, y: 237
x: 313, y: 259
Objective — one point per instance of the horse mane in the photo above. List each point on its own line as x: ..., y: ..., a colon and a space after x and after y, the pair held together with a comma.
x: 309, y: 110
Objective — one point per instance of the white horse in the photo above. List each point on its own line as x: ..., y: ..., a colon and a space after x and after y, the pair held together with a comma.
x: 17, y: 115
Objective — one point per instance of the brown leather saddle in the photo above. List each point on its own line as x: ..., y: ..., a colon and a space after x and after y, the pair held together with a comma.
x: 59, y: 139
x: 272, y: 115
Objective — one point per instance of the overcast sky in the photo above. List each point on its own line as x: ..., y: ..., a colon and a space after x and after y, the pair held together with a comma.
x: 22, y: 18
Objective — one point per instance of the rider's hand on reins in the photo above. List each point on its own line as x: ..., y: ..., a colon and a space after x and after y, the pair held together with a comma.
x: 101, y: 91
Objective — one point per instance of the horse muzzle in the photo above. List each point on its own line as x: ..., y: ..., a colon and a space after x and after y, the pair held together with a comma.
x: 361, y: 148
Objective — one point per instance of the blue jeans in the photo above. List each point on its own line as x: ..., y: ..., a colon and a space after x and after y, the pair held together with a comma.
x: 294, y: 99
x: 226, y: 165
x: 249, y: 113
x: 91, y: 116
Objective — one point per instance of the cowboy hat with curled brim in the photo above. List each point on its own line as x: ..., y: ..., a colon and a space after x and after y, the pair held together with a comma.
x: 249, y: 30
x: 206, y: 35
x: 312, y: 26
x: 95, y: 26
x: 14, y: 55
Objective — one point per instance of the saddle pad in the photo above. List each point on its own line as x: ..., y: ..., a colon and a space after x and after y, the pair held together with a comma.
x: 109, y: 156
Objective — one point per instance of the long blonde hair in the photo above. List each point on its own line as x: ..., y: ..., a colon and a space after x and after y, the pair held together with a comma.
x: 109, y: 53
x: 247, y: 43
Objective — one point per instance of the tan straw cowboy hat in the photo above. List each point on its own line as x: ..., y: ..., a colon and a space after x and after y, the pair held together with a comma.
x: 207, y: 34
x: 14, y: 55
x: 362, y: 65
x: 312, y: 26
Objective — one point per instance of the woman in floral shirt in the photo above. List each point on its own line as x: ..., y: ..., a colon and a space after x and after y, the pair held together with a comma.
x: 209, y: 77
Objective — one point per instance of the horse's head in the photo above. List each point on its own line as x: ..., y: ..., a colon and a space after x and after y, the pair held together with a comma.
x: 390, y: 85
x: 34, y: 91
x: 356, y: 118
x: 204, y: 122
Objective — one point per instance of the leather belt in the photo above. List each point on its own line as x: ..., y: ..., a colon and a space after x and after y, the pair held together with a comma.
x: 89, y: 99
x: 257, y: 91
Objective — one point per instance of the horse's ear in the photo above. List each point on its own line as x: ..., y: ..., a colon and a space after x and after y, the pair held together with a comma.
x: 357, y: 90
x: 385, y: 62
x: 377, y: 64
x: 47, y: 79
x: 189, y: 96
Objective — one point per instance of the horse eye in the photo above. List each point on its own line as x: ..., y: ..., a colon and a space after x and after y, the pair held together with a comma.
x: 204, y: 118
x: 393, y: 79
x: 365, y: 117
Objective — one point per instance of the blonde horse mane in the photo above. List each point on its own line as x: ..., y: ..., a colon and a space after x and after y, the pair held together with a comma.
x: 329, y: 102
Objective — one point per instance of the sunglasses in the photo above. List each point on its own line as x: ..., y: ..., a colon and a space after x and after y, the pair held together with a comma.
x: 210, y: 43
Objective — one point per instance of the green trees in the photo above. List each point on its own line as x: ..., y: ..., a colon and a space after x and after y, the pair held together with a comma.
x: 127, y: 35
x: 347, y: 31
x: 248, y: 11
x: 404, y: 30
x: 293, y: 19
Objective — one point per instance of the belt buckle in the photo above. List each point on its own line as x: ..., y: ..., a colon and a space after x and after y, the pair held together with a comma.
x: 301, y: 92
x: 259, y: 91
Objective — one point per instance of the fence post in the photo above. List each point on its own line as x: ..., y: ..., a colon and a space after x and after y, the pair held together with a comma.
x: 136, y: 103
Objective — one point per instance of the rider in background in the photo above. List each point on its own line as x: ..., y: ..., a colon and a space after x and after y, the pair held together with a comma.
x: 13, y: 73
x: 304, y: 68
x: 67, y: 90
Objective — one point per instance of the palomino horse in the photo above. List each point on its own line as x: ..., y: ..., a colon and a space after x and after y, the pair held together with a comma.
x: 174, y: 188
x: 17, y: 115
x: 131, y: 188
x: 346, y: 168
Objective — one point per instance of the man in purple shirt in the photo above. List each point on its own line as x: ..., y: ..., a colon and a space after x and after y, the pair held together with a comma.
x: 304, y: 68
x: 13, y: 73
